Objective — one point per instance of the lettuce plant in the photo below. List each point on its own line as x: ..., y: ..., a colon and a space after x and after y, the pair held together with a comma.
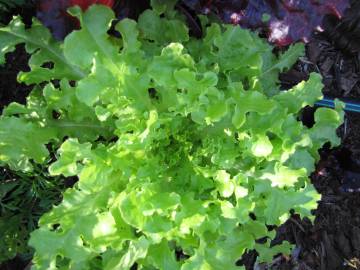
x: 185, y: 148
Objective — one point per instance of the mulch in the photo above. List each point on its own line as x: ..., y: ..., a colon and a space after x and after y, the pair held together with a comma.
x: 333, y: 241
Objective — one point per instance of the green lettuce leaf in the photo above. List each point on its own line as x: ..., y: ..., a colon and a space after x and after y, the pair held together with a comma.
x: 177, y: 142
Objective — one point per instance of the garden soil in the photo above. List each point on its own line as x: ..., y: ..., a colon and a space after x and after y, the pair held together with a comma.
x: 10, y: 89
x: 332, y: 242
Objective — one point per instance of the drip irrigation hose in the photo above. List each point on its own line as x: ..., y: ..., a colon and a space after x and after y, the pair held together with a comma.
x: 350, y: 106
x: 351, y: 180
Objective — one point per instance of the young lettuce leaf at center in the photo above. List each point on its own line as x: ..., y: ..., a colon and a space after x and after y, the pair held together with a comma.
x: 195, y: 137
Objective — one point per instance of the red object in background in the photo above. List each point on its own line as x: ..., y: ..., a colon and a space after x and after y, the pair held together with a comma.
x: 53, y: 14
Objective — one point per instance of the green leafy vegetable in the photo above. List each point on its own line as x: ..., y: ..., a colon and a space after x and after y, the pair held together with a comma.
x: 43, y: 48
x: 176, y: 142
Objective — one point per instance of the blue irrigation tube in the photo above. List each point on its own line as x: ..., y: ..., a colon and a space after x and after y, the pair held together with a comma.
x: 350, y: 106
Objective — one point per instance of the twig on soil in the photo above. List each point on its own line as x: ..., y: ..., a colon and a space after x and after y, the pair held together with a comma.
x: 322, y: 256
x: 353, y: 263
x: 345, y: 127
x: 298, y: 224
x: 309, y: 62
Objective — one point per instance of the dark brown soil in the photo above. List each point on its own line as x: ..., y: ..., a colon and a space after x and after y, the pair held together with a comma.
x: 333, y: 241
x: 10, y: 89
